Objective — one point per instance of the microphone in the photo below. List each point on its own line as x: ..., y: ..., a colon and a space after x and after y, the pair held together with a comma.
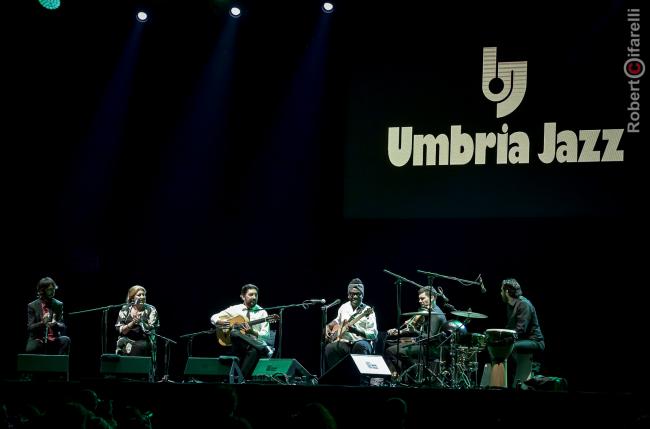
x: 480, y: 279
x: 315, y: 301
x: 327, y: 307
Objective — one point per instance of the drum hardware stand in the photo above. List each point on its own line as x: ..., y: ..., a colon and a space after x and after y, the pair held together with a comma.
x: 423, y: 372
x: 455, y: 374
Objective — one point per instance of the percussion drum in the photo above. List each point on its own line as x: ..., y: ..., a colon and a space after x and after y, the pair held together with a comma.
x: 500, y: 343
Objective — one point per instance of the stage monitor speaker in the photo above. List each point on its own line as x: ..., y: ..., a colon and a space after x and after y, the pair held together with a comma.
x: 222, y: 368
x: 55, y: 365
x: 357, y: 370
x: 285, y: 370
x: 140, y: 367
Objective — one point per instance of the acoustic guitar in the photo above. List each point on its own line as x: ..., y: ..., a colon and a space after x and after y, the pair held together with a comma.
x: 223, y: 334
x: 335, y: 333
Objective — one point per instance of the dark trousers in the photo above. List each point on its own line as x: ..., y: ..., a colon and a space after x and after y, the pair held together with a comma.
x: 248, y: 349
x: 408, y: 355
x: 336, y: 351
x: 60, y: 346
x: 521, y: 353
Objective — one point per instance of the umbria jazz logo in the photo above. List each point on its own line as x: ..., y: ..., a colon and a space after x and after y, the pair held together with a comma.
x: 503, y: 83
x: 509, y: 78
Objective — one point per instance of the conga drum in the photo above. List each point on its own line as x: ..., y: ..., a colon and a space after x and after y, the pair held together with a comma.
x: 500, y: 343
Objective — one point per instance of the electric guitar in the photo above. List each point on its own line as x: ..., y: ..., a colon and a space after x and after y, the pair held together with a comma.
x: 335, y: 333
x: 223, y: 334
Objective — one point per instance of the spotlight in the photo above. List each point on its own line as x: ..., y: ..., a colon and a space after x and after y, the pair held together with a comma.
x: 142, y: 16
x: 328, y: 7
x: 50, y: 4
x: 235, y: 12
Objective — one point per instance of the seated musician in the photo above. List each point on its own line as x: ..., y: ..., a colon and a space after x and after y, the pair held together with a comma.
x: 413, y: 334
x: 249, y: 339
x: 353, y: 329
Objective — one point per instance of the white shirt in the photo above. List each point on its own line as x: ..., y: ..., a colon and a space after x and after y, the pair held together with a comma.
x: 256, y: 313
x: 367, y: 324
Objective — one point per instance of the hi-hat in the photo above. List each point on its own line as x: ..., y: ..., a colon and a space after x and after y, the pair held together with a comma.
x: 423, y: 313
x: 469, y: 314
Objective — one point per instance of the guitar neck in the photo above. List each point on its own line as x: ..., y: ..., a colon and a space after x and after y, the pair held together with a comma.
x: 359, y: 316
x: 255, y: 322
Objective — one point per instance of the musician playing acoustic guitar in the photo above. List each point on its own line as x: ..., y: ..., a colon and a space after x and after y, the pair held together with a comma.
x: 353, y: 329
x: 249, y: 337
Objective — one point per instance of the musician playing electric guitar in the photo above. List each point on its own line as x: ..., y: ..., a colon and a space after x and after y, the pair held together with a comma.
x: 353, y: 329
x: 249, y: 339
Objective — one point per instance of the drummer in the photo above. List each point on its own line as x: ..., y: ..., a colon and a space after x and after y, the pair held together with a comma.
x: 413, y: 333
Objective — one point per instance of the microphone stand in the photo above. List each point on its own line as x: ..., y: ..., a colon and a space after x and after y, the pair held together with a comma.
x: 323, y: 342
x: 304, y: 305
x: 152, y: 334
x: 191, y: 336
x: 463, y: 282
x: 104, y: 324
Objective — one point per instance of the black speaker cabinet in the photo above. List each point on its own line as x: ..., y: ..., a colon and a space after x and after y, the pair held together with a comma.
x: 357, y: 370
x: 222, y: 368
x: 140, y: 367
x: 285, y: 370
x: 55, y: 365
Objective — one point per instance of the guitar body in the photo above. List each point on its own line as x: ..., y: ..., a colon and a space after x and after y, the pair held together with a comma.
x: 223, y: 334
x: 335, y: 333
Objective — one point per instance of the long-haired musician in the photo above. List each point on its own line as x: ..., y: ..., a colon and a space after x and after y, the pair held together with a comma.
x: 45, y: 321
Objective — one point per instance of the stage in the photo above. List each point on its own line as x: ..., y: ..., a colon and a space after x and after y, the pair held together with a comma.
x: 264, y: 404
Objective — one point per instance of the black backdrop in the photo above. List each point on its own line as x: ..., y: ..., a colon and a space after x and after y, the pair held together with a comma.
x: 100, y: 204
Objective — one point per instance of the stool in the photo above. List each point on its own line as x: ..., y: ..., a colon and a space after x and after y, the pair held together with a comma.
x: 527, y: 365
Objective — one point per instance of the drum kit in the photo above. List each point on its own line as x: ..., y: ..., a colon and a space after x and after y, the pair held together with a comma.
x: 449, y: 359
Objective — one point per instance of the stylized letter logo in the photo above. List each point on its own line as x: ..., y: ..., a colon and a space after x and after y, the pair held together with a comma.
x: 512, y: 76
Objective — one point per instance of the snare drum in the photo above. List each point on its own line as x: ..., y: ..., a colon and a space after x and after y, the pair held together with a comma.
x: 500, y: 343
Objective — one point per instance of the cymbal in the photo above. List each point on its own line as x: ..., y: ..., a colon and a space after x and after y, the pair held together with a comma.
x: 469, y: 314
x: 422, y: 313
